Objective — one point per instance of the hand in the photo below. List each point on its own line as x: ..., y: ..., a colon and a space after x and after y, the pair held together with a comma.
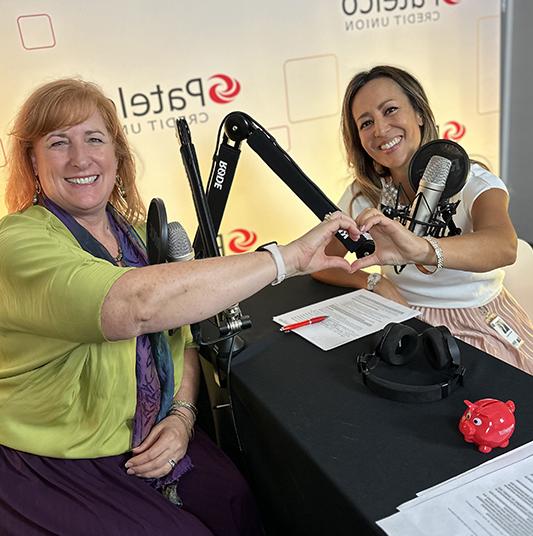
x: 307, y: 253
x: 395, y: 245
x: 168, y: 440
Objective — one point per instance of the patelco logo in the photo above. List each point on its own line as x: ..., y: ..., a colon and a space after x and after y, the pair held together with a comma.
x: 453, y: 131
x: 225, y: 89
x: 242, y: 240
x: 452, y: 2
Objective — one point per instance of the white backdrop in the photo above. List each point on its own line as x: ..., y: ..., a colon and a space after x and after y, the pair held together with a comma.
x: 284, y: 63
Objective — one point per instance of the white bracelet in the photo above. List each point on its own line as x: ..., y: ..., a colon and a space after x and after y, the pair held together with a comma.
x: 438, y: 254
x: 273, y: 249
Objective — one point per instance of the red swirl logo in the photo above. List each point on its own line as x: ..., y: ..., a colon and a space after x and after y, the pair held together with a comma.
x: 243, y: 240
x: 225, y: 89
x: 454, y: 131
x: 452, y: 2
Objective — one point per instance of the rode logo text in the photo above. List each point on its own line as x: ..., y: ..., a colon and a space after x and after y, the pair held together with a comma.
x: 221, y: 174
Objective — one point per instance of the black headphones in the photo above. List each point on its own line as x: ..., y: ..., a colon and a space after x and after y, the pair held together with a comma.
x: 398, y: 345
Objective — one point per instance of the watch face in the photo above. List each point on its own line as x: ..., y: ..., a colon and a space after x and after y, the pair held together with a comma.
x: 263, y: 247
x: 373, y: 280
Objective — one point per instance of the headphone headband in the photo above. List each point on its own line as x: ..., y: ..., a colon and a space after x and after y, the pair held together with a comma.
x: 366, y: 363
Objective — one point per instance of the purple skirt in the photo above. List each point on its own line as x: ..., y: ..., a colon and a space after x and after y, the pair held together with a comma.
x: 41, y: 495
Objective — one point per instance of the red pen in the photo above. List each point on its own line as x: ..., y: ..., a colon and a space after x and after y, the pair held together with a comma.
x: 314, y: 320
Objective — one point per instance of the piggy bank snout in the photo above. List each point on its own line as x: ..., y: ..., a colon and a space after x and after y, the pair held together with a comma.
x: 467, y: 427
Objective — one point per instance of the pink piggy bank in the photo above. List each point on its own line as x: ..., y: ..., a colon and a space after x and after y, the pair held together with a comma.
x: 488, y: 423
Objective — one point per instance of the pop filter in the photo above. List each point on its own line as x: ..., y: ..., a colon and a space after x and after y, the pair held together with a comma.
x: 447, y: 149
x: 157, y: 232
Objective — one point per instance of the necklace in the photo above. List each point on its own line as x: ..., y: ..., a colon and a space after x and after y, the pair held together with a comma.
x: 120, y: 255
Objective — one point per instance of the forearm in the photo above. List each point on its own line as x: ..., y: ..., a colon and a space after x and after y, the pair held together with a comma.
x: 190, y: 381
x: 341, y: 278
x: 479, y: 251
x: 160, y: 297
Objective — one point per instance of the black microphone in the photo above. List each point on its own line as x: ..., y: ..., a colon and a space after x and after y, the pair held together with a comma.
x: 429, y: 192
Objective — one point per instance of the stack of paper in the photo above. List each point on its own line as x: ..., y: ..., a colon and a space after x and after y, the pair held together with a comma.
x: 493, y: 499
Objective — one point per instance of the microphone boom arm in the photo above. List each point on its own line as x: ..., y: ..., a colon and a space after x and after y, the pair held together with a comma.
x: 239, y: 127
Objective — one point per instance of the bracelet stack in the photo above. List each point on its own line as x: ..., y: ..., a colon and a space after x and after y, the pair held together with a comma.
x: 438, y: 254
x: 186, y: 412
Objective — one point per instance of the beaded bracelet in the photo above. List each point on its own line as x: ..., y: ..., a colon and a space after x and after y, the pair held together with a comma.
x: 438, y: 254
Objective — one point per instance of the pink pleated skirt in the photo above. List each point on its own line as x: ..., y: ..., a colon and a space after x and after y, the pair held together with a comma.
x: 470, y: 325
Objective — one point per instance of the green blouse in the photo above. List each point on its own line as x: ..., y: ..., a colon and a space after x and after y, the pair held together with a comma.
x: 65, y: 391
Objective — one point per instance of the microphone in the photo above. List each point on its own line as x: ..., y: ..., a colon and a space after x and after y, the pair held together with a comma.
x: 179, y: 249
x: 179, y: 245
x: 231, y: 319
x: 430, y: 188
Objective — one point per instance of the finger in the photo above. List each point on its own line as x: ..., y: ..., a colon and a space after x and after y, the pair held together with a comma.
x: 338, y: 262
x: 149, y: 440
x: 136, y: 462
x: 158, y: 466
x: 366, y: 215
x: 373, y: 221
x: 338, y: 220
x: 149, y: 448
x: 364, y: 262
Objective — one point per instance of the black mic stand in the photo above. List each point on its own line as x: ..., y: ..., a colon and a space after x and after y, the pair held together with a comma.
x: 230, y: 321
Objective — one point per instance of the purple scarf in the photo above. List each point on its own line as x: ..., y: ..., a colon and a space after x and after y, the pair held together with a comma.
x: 153, y: 403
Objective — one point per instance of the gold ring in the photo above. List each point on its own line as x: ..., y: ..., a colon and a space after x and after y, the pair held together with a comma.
x: 172, y: 463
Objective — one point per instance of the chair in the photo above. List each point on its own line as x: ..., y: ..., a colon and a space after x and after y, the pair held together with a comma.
x: 518, y: 277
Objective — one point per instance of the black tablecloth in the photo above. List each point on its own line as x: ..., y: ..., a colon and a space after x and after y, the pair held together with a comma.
x: 328, y: 456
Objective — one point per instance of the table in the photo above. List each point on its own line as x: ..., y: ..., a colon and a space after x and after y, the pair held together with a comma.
x: 326, y: 455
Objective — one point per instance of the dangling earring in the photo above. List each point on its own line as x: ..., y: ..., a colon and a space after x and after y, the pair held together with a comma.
x: 36, y: 192
x: 120, y: 186
x: 378, y: 168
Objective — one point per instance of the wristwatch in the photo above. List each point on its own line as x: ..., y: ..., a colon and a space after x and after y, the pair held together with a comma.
x: 272, y: 248
x: 373, y: 279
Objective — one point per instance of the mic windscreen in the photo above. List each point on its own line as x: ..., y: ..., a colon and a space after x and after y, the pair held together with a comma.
x: 179, y: 245
x: 458, y: 172
x: 157, y: 232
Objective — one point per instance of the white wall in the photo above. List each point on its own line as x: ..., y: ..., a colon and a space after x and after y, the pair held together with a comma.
x: 292, y: 61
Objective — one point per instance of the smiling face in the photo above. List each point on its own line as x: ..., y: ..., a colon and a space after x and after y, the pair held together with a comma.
x: 77, y: 166
x: 387, y: 124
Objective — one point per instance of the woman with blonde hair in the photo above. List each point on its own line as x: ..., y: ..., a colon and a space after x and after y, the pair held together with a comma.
x: 386, y: 117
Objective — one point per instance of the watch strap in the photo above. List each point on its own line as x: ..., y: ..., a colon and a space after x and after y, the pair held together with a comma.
x: 273, y: 249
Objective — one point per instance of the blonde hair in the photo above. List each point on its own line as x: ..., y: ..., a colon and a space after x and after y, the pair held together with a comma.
x: 366, y: 173
x: 64, y: 103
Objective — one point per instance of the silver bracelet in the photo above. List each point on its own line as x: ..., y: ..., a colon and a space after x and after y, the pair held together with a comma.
x: 438, y: 254
x: 373, y: 279
x: 184, y: 404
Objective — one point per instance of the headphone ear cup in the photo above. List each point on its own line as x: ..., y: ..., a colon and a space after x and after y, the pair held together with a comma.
x: 398, y: 345
x: 436, y: 348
